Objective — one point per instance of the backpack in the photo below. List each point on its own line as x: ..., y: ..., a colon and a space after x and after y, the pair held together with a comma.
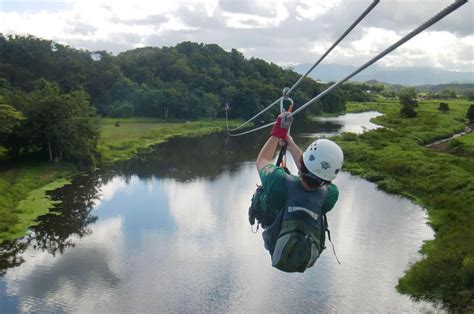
x: 258, y: 211
x: 296, y: 237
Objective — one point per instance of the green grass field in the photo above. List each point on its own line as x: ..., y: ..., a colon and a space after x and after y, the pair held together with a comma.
x: 397, y: 159
x: 138, y: 134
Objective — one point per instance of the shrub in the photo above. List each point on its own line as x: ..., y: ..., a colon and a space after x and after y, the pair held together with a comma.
x: 408, y: 112
x: 408, y: 101
x: 470, y: 113
x: 443, y: 107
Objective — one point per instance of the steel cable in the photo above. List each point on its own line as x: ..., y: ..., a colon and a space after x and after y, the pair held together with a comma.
x: 454, y: 6
x: 298, y: 82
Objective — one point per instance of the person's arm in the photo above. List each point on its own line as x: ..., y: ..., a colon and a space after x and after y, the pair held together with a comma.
x: 331, y: 198
x: 279, y: 132
x: 265, y: 156
x: 295, y: 151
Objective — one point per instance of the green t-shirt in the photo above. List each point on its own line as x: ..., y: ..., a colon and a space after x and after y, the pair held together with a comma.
x: 274, y: 186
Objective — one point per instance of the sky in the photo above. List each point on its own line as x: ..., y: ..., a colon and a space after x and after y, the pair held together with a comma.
x: 286, y: 32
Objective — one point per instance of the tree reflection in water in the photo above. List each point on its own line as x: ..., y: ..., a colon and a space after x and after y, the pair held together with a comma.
x: 53, y: 232
x: 188, y: 159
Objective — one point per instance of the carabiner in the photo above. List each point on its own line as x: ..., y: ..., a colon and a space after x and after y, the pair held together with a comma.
x: 285, y: 97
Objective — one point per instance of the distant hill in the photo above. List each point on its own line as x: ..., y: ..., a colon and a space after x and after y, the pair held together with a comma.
x: 458, y: 88
x: 404, y: 76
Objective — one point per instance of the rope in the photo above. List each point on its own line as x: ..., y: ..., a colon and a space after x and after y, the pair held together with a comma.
x: 288, y: 91
x: 326, y: 226
x: 334, y: 252
x: 454, y: 6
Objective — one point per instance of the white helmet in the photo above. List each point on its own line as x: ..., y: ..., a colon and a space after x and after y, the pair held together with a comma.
x: 324, y: 159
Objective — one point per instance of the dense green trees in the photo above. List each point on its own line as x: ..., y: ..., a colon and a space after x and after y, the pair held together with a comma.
x: 188, y: 81
x: 57, y: 125
x: 9, y: 118
x: 58, y: 89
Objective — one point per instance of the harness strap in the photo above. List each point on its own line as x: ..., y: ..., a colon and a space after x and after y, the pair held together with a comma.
x: 280, y: 161
x: 329, y: 237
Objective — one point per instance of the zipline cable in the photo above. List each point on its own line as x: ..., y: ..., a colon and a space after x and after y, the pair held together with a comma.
x: 251, y: 119
x: 361, y: 17
x: 454, y: 6
x: 298, y: 82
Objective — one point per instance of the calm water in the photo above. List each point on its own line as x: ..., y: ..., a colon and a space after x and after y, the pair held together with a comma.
x: 169, y: 232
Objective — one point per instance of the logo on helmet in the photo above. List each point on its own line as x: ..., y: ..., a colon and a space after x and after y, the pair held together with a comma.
x: 325, y: 165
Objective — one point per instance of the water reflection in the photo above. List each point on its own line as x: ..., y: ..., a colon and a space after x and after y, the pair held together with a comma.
x: 53, y: 232
x: 169, y: 232
x: 187, y: 159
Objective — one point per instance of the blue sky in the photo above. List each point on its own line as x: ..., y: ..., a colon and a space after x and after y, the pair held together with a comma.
x: 34, y: 6
x: 286, y: 32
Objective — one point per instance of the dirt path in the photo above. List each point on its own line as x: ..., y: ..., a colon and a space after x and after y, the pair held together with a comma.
x: 443, y: 145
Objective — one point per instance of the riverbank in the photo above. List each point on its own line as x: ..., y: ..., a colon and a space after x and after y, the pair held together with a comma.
x: 395, y: 157
x: 24, y: 185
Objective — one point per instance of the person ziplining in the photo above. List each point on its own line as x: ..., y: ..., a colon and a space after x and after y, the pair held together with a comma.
x: 292, y: 209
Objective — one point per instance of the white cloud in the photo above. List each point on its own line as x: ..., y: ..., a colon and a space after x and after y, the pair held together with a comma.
x: 373, y: 41
x: 107, y: 191
x: 444, y: 49
x: 243, y: 20
x: 184, y: 210
x: 312, y: 9
x: 284, y: 32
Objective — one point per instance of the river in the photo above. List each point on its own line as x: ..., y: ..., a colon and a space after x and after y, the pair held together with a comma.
x: 168, y: 232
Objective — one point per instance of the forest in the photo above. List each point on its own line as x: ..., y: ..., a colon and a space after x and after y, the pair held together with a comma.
x: 51, y: 95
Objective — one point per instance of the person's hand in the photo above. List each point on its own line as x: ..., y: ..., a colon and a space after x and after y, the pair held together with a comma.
x: 282, y: 125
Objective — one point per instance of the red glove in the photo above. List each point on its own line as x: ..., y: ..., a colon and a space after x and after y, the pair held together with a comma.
x: 282, y: 125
